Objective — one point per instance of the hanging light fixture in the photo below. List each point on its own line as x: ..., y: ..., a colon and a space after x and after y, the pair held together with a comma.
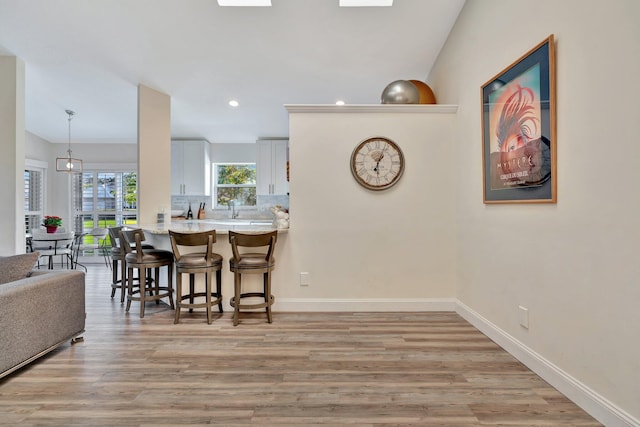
x: 69, y: 164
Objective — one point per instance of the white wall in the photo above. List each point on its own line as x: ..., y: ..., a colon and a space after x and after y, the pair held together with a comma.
x: 12, y: 71
x: 37, y: 148
x: 154, y: 154
x: 357, y: 244
x: 574, y: 264
x: 96, y: 154
x: 233, y: 153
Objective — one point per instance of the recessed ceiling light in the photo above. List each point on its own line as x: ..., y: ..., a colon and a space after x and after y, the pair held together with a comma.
x: 234, y: 103
x: 365, y: 3
x: 339, y: 102
x: 244, y: 2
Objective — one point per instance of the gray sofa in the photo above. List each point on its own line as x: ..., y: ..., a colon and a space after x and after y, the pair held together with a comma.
x: 37, y: 314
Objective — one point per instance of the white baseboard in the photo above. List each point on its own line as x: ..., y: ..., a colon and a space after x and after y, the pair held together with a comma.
x: 364, y: 304
x: 595, y: 405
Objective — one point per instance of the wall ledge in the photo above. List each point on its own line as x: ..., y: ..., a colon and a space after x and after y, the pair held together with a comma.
x: 372, y: 108
x: 594, y: 404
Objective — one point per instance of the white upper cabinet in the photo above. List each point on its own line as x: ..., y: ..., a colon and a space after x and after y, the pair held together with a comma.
x: 190, y: 168
x: 271, y: 167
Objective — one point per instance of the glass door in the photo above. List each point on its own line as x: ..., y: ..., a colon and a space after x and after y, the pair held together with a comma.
x: 102, y: 200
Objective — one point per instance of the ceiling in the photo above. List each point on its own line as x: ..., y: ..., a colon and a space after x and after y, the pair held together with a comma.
x: 90, y: 57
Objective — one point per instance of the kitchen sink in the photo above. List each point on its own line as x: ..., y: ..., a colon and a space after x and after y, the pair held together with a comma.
x: 241, y: 221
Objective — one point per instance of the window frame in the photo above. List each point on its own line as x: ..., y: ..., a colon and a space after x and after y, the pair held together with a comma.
x: 101, y: 215
x: 216, y: 185
x: 96, y: 212
x: 40, y: 167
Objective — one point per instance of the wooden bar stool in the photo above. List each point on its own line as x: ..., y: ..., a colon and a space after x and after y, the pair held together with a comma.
x: 204, y: 261
x: 252, y: 263
x: 117, y: 258
x: 144, y: 260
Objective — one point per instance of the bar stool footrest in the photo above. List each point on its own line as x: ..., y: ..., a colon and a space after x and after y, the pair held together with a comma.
x: 265, y: 304
x: 215, y: 299
x: 132, y: 296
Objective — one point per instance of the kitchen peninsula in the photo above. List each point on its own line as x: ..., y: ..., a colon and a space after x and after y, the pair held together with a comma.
x: 221, y: 226
x: 158, y: 236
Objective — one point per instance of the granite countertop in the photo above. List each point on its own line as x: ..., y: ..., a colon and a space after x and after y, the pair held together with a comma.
x: 221, y: 226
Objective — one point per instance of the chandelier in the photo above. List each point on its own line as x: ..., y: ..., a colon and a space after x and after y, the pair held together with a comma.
x: 69, y: 164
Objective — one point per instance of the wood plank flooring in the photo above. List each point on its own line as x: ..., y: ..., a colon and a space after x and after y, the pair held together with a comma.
x: 356, y: 369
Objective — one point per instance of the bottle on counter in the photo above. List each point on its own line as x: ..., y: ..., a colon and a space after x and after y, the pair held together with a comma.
x: 189, y: 212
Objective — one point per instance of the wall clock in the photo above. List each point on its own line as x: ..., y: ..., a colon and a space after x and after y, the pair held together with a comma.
x: 377, y: 163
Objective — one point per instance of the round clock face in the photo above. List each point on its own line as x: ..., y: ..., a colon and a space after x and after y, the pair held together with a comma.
x: 377, y: 163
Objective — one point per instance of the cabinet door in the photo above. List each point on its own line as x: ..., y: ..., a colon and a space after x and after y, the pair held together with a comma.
x: 190, y: 168
x: 194, y: 173
x: 263, y: 168
x: 280, y: 154
x: 177, y: 168
x: 272, y: 167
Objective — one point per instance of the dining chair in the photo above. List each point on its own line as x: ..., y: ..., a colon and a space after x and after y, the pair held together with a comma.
x: 94, y: 240
x: 53, y: 244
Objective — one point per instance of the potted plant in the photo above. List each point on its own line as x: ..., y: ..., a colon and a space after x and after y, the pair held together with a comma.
x: 52, y: 222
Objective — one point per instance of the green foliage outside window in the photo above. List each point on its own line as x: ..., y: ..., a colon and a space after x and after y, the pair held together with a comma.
x: 236, y: 182
x: 130, y: 186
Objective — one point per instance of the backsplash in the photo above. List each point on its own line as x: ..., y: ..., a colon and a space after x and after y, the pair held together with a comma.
x: 261, y: 211
x: 265, y: 202
x: 182, y: 202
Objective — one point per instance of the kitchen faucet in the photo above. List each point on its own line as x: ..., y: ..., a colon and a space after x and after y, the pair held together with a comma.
x: 232, y: 206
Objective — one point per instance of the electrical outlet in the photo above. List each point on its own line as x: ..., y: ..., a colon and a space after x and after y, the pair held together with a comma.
x: 523, y: 316
x: 305, y: 280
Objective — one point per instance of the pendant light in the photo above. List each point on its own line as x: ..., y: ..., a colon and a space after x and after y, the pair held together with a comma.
x: 69, y: 164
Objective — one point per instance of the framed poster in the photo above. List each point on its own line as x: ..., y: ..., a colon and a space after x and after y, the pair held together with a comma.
x: 519, y: 130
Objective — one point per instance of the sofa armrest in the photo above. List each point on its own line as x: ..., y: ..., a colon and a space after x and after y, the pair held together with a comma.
x: 39, y: 312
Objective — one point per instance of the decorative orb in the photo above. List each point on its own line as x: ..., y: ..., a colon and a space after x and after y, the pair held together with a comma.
x: 426, y: 94
x: 400, y: 92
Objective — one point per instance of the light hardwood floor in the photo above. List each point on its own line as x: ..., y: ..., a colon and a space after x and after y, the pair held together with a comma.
x: 357, y: 369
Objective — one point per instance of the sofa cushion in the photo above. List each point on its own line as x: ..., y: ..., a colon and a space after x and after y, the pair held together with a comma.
x: 17, y: 267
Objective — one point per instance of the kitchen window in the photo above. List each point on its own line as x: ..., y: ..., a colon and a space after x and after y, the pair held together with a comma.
x: 234, y: 181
